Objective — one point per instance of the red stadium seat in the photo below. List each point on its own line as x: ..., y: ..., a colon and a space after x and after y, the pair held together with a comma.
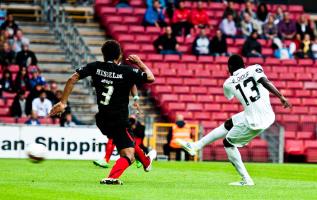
x: 202, y: 73
x: 174, y: 81
x: 194, y: 107
x: 259, y: 150
x: 205, y: 59
x: 185, y: 73
x: 155, y: 57
x: 172, y: 58
x: 187, y: 98
x: 201, y: 116
x: 290, y: 135
x: 7, y: 120
x: 169, y: 98
x: 137, y: 30
x: 189, y: 58
x: 304, y: 135
x: 210, y: 106
x: 181, y: 89
x: 198, y: 90
x: 191, y: 81
x: 204, y: 98
x: 295, y: 8
x: 311, y: 150
x: 294, y: 147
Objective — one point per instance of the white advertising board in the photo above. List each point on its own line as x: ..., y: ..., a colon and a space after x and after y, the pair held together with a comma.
x: 62, y: 143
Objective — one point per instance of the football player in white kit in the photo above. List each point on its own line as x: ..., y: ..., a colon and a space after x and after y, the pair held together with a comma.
x: 251, y: 87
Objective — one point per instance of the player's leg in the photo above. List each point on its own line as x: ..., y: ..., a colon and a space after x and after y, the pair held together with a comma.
x: 105, y: 161
x: 215, y: 134
x: 146, y: 160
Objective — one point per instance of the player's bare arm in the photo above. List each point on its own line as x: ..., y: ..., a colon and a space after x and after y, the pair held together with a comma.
x: 59, y: 108
x: 134, y: 59
x: 271, y: 88
x: 134, y: 93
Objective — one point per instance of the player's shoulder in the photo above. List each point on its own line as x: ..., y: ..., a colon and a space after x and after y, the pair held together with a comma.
x: 255, y: 68
x: 228, y: 81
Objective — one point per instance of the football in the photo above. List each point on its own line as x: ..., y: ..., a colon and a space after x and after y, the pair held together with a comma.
x: 36, y: 152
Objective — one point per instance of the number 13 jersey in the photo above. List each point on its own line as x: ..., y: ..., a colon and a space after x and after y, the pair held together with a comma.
x: 244, y: 85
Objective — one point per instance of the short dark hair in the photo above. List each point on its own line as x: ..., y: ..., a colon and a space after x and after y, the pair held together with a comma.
x: 111, y: 50
x: 235, y: 62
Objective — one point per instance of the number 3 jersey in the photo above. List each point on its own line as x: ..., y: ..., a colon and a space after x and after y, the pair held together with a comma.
x: 113, y: 84
x: 244, y: 85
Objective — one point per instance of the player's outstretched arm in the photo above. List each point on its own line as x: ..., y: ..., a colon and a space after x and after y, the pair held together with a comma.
x: 134, y: 93
x: 271, y: 88
x: 59, y: 108
x: 134, y: 59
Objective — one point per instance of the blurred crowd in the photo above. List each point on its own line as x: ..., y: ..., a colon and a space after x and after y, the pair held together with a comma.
x: 288, y: 37
x: 20, y: 75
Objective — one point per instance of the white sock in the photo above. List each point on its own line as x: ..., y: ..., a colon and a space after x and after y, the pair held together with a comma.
x: 215, y: 134
x: 234, y: 157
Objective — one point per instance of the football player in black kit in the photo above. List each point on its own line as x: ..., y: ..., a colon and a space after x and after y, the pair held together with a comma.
x: 113, y: 83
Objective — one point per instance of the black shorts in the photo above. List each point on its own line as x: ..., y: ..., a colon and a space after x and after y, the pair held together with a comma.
x: 115, y: 129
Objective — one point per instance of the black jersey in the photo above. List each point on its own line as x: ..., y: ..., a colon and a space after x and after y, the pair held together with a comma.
x: 113, y: 84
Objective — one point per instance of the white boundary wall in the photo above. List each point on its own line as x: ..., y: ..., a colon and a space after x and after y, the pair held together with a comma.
x: 83, y: 143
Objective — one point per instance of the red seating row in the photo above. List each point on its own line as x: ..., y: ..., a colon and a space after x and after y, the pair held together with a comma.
x: 301, y: 147
x: 22, y: 120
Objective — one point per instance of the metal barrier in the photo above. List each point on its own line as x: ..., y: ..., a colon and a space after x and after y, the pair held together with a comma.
x: 77, y: 52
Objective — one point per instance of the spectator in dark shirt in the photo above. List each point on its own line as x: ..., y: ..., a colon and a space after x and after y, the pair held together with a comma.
x: 166, y: 43
x: 122, y: 3
x: 149, y: 3
x: 219, y: 45
x: 270, y: 29
x: 154, y: 16
x: 230, y: 10
x: 251, y: 47
x: 7, y: 55
x: 34, y: 93
x: 262, y: 13
x: 287, y: 27
x: 33, y: 120
x: 22, y: 81
x: 36, y: 79
x: 51, y: 92
x: 6, y: 83
x: 248, y: 9
x: 9, y: 25
x: 181, y: 20
x: 26, y: 57
x: 201, y: 45
x: 18, y: 107
x: 303, y: 27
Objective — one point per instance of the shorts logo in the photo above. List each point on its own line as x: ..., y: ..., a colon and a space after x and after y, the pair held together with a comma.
x: 258, y: 70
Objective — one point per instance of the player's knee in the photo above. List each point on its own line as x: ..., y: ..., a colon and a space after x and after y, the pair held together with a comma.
x: 128, y: 153
x: 226, y: 143
x: 228, y: 124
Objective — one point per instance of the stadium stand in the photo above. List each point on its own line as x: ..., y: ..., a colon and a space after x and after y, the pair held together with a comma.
x: 193, y: 85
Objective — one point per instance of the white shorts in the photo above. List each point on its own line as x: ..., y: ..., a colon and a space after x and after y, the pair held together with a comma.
x: 240, y: 134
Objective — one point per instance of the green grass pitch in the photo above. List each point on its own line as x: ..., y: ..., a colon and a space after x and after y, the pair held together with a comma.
x: 59, y: 179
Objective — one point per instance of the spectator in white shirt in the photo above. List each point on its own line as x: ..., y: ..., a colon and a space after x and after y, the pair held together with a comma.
x: 201, y: 45
x: 228, y: 26
x: 69, y: 121
x: 41, y: 105
x: 19, y: 41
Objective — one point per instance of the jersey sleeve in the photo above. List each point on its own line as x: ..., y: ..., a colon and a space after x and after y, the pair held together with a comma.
x: 86, y: 71
x: 227, y: 92
x: 258, y: 72
x: 138, y: 76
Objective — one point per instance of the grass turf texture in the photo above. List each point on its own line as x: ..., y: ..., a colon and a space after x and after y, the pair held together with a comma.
x: 58, y: 179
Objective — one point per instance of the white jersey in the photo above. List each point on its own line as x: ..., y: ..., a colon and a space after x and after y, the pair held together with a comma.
x: 243, y: 85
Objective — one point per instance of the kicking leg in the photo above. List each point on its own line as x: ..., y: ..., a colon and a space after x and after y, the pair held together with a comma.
x: 215, y: 134
x: 236, y: 160
x: 146, y: 160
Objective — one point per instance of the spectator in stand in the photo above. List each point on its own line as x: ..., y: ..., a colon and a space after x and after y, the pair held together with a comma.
x: 3, y: 14
x: 7, y: 56
x: 199, y: 16
x: 34, y: 93
x: 154, y: 15
x: 10, y: 25
x: 19, y: 40
x: 248, y: 9
x: 201, y: 45
x: 51, y: 92
x: 42, y: 105
x: 36, y: 78
x: 69, y: 121
x: 287, y: 27
x: 22, y: 80
x: 26, y: 57
x: 262, y: 13
x: 305, y: 50
x: 4, y: 37
x: 249, y: 25
x: 270, y: 30
x: 150, y: 3
x: 228, y: 26
x: 219, y: 45
x: 279, y: 16
x: 33, y: 120
x: 303, y: 27
x: 230, y: 10
x: 18, y: 107
x: 181, y: 19
x: 6, y: 83
x: 251, y: 47
x: 166, y: 43
x: 314, y: 49
x: 122, y: 3
x: 179, y: 131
